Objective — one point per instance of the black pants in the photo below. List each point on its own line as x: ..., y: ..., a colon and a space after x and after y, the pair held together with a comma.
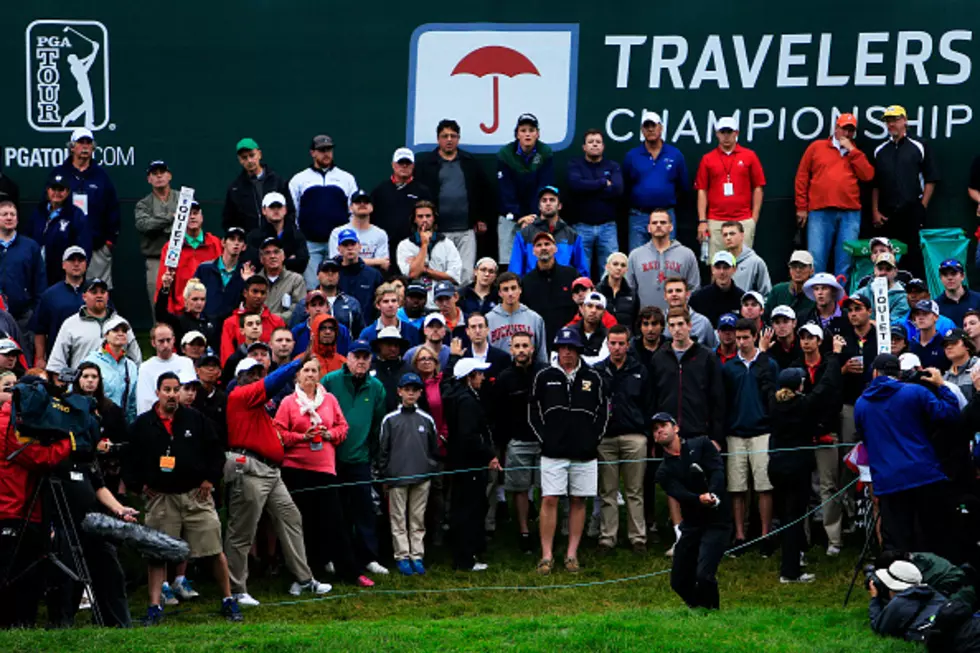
x: 108, y: 583
x: 20, y: 588
x: 466, y: 515
x: 917, y: 519
x: 791, y: 495
x: 650, y: 493
x: 325, y: 533
x: 696, y: 558
x: 904, y: 224
x: 358, y: 508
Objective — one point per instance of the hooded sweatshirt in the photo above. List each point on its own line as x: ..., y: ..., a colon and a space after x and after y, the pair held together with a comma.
x: 502, y: 325
x: 751, y: 272
x: 329, y: 359
x: 898, y: 301
x: 648, y: 269
x: 568, y: 243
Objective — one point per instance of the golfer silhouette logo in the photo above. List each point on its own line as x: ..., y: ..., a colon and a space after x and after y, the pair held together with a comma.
x: 67, y: 74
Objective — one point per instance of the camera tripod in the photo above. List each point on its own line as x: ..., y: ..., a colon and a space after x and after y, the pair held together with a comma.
x: 870, y: 533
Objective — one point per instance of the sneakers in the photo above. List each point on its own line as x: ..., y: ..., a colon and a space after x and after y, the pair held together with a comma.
x: 230, y: 610
x: 154, y: 616
x: 767, y: 548
x: 527, y: 544
x: 545, y: 565
x: 168, y: 594
x: 802, y: 578
x: 374, y: 568
x: 364, y: 581
x: 479, y: 566
x: 313, y: 586
x: 184, y: 591
x: 593, y: 526
x: 245, y: 599
x: 404, y: 567
x: 833, y: 551
x: 738, y: 548
x: 418, y: 567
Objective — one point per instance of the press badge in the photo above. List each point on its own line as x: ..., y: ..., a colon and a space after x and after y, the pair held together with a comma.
x: 76, y: 476
x: 167, y: 463
x: 81, y: 201
x: 728, y: 189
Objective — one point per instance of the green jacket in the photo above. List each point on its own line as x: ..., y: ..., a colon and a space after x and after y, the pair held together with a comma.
x: 781, y: 295
x: 364, y: 410
x: 943, y: 576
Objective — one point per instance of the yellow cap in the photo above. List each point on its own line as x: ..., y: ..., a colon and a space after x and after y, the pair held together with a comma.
x: 894, y: 111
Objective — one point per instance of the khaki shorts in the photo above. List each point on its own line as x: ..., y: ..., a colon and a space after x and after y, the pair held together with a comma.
x: 561, y: 477
x: 746, y: 453
x: 523, y: 463
x: 189, y: 518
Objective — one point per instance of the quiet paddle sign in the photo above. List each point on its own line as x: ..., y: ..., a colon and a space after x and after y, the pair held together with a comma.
x: 179, y: 227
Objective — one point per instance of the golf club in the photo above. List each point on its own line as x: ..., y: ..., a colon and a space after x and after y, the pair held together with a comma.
x: 69, y: 28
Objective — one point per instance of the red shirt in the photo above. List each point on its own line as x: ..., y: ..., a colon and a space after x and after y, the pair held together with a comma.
x: 231, y: 335
x: 743, y: 169
x: 249, y: 426
x: 18, y: 477
x: 190, y: 259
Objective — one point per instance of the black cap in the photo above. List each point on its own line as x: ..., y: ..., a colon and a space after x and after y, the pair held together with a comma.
x: 791, y: 377
x: 208, y: 359
x: 235, y: 231
x: 328, y: 264
x: 57, y: 180
x: 271, y: 240
x: 527, y: 119
x: 360, y: 196
x: 416, y: 288
x: 157, y: 164
x: 887, y: 364
x: 195, y: 205
x: 258, y: 345
x: 321, y: 140
x: 916, y: 283
x: 96, y: 282
x: 954, y: 335
x: 900, y: 331
x: 861, y: 299
x: 663, y: 417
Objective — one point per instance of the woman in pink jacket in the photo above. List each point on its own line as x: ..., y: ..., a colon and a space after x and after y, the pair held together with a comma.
x: 312, y: 425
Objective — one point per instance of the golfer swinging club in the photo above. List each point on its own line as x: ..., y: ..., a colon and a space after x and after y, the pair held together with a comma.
x: 693, y: 473
x: 79, y: 70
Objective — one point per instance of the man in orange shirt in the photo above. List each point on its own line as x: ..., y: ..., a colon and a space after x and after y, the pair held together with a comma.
x: 828, y: 198
x: 729, y: 184
x: 198, y: 247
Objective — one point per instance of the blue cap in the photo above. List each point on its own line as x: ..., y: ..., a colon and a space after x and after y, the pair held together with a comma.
x: 951, y: 264
x: 926, y: 306
x: 568, y: 337
x: 791, y: 377
x: 359, y: 345
x: 663, y: 417
x: 727, y: 321
x: 443, y: 289
x: 549, y: 189
x: 410, y: 378
x: 346, y: 235
x: 900, y: 331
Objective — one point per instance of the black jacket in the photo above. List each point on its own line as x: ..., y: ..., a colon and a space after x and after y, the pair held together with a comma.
x: 293, y: 244
x: 623, y: 306
x: 713, y: 302
x: 852, y: 385
x: 197, y: 452
x: 679, y: 482
x: 394, y: 208
x: 630, y: 396
x: 243, y: 201
x: 796, y: 422
x: 643, y: 354
x: 214, y: 406
x: 184, y: 323
x: 569, y: 418
x: 784, y: 358
x: 549, y: 294
x: 692, y: 391
x: 827, y: 421
x: 478, y: 190
x: 390, y: 373
x: 509, y: 400
x: 469, y: 302
x: 470, y: 442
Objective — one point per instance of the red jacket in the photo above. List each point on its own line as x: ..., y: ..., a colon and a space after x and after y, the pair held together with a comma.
x: 825, y: 179
x: 231, y: 335
x: 294, y: 424
x: 249, y: 425
x: 17, y: 477
x: 190, y: 258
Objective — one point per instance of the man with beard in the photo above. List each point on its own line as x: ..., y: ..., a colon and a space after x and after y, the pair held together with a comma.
x: 547, y: 288
x: 413, y: 310
x: 324, y: 348
x: 388, y: 365
x: 568, y: 243
x: 650, y: 324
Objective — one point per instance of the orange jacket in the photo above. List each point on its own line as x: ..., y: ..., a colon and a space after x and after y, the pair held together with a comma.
x: 329, y: 359
x: 190, y: 258
x: 825, y: 179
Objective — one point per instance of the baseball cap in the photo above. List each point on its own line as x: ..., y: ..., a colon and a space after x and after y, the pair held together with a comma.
x: 433, y: 317
x: 359, y: 345
x: 402, y: 154
x: 926, y: 306
x: 813, y: 329
x: 596, y: 298
x: 880, y: 240
x: 314, y: 294
x: 191, y: 336
x: 953, y: 335
x: 208, y: 360
x: 328, y: 264
x: 909, y: 361
x: 96, y: 282
x: 899, y: 330
x: 899, y: 576
x: 245, y: 365
x: 585, y: 282
x: 360, y: 196
x: 857, y: 299
x: 112, y: 325
x: 951, y: 264
x: 783, y: 311
x: 443, y: 289
x: 246, y: 144
x: 416, y: 288
x: 846, y: 119
x: 917, y: 283
x: 186, y: 377
x: 527, y: 119
x: 801, y: 256
x: 549, y: 189
x: 568, y: 337
x: 885, y: 257
x: 157, y: 164
x: 8, y: 346
x: 727, y: 321
x: 271, y: 240
x: 57, y: 180
x: 391, y: 333
x: 723, y: 257
x: 81, y: 132
x: 273, y: 198
x: 663, y: 418
x: 650, y: 116
x: 791, y: 377
x: 466, y: 366
x: 234, y: 231
x: 346, y: 236
x: 74, y: 250
x: 542, y: 234
x: 726, y: 123
x: 258, y: 345
x: 894, y: 111
x: 321, y: 140
x: 754, y: 295
x: 886, y: 363
x: 410, y: 378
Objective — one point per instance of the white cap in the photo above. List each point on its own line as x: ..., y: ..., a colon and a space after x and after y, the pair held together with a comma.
x: 403, y: 153
x: 272, y: 198
x: 754, y: 295
x: 596, y: 298
x: 724, y: 256
x: 71, y: 251
x: 726, y: 123
x: 190, y: 336
x: 8, y: 346
x: 111, y: 324
x: 245, y: 365
x: 81, y: 132
x: 465, y: 366
x: 900, y: 576
x: 908, y: 362
x: 433, y: 317
x: 650, y: 116
x: 822, y: 279
x: 783, y: 311
x: 813, y: 329
x: 801, y: 256
x: 186, y: 376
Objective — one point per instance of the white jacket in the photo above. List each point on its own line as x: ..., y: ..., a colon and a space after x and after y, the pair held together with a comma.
x: 443, y: 257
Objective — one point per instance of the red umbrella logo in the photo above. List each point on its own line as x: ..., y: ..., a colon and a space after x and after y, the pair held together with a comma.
x: 495, y: 60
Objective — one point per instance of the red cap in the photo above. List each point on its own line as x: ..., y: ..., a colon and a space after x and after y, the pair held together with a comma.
x: 583, y: 281
x: 845, y: 119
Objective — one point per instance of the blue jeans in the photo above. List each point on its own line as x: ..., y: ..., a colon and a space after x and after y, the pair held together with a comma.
x: 318, y: 252
x: 358, y: 509
x: 821, y: 227
x: 600, y: 238
x: 639, y: 221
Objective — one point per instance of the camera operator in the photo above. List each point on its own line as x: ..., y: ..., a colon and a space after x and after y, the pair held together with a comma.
x: 112, y: 423
x: 895, y: 420
x: 956, y: 582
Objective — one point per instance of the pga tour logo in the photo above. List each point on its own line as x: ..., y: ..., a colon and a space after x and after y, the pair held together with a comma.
x: 485, y: 75
x: 67, y: 75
